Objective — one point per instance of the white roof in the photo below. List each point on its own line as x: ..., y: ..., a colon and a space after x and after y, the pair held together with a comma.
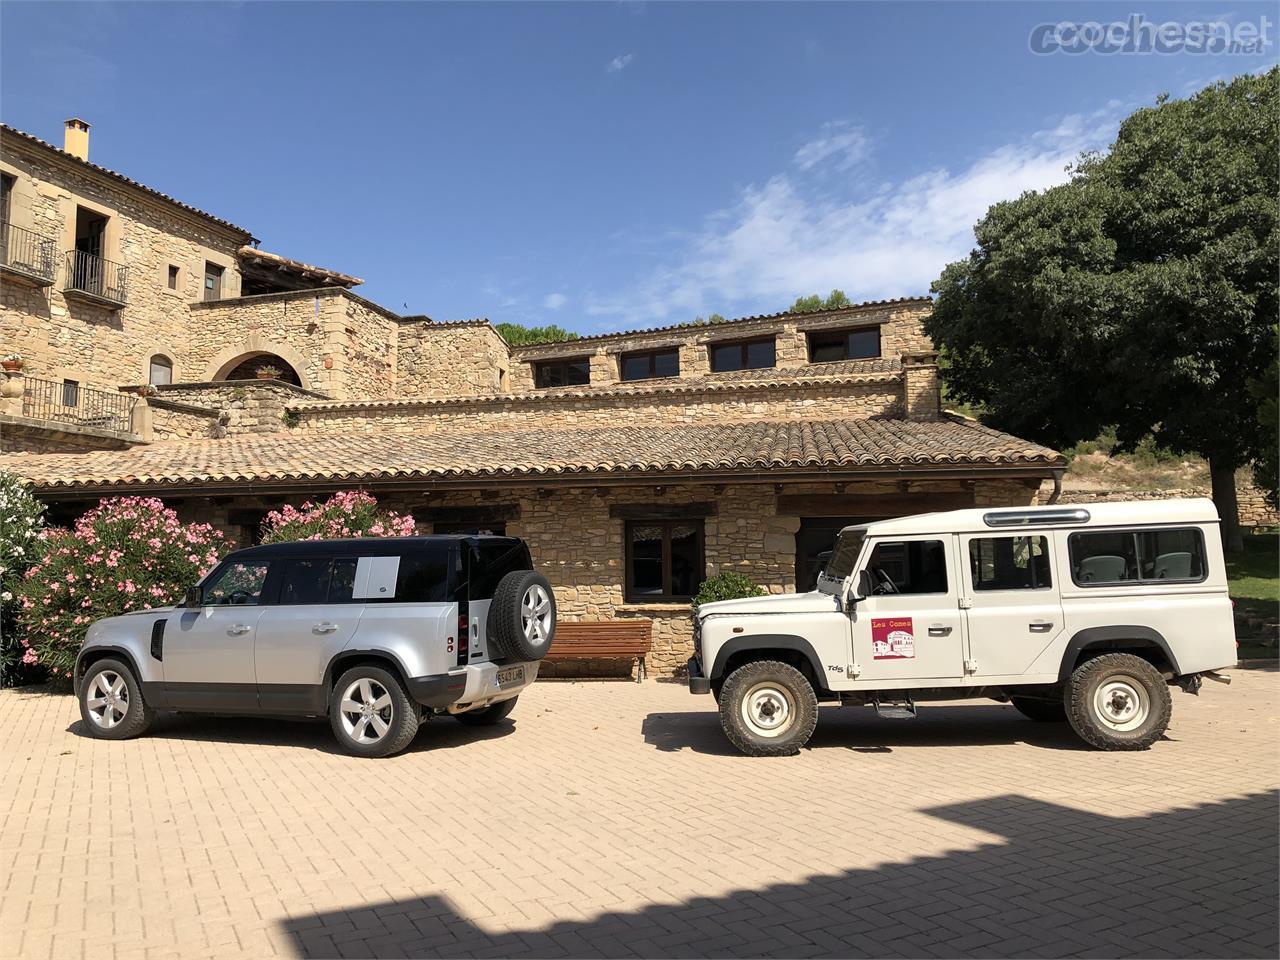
x: 1191, y: 510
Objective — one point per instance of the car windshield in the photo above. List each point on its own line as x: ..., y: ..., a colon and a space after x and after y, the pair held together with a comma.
x: 844, y: 556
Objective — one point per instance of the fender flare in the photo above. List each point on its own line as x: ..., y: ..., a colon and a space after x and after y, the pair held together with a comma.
x: 102, y: 652
x: 1103, y: 636
x: 355, y: 652
x: 769, y: 641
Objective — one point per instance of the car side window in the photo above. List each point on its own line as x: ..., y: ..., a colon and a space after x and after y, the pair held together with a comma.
x: 1009, y: 563
x: 305, y: 581
x: 237, y: 584
x: 342, y: 581
x: 907, y: 567
x: 1131, y: 556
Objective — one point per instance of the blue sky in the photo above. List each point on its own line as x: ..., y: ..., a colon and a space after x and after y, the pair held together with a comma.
x: 596, y: 165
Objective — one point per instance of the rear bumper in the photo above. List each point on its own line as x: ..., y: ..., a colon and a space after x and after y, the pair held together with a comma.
x: 698, y: 682
x: 473, y: 685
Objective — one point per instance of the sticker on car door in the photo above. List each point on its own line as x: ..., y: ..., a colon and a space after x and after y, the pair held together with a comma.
x: 893, y: 638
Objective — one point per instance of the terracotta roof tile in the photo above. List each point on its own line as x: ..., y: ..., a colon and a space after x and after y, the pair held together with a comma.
x: 266, y: 458
x: 711, y: 327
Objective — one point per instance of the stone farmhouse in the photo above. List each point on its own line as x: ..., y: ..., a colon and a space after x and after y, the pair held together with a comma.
x: 165, y: 353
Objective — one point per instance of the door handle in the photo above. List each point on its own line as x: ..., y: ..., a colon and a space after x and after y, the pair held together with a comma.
x: 938, y: 630
x: 236, y: 629
x: 1040, y: 626
x: 324, y: 627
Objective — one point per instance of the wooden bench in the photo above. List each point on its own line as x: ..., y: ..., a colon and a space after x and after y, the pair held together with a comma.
x: 603, y: 640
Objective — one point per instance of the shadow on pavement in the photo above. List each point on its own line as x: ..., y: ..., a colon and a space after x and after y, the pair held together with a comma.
x: 1193, y: 882
x: 860, y: 730
x: 305, y: 733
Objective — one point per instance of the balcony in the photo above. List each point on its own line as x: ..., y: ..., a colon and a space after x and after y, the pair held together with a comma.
x: 95, y: 280
x: 78, y: 406
x: 26, y: 256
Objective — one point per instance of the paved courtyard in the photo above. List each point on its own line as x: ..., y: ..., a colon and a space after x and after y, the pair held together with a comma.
x: 611, y: 819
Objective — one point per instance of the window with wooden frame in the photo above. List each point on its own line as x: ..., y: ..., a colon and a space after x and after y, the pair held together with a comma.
x: 650, y: 364
x: 664, y: 560
x: 756, y: 354
x: 562, y: 372
x: 826, y: 346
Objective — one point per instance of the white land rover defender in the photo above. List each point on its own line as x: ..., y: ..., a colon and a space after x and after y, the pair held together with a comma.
x: 1086, y: 616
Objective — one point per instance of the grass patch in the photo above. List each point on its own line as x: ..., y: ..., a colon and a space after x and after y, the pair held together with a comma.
x: 1253, y: 578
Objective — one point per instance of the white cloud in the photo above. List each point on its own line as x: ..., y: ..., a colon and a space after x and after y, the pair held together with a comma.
x: 619, y: 63
x: 840, y: 143
x: 803, y: 231
x: 554, y: 301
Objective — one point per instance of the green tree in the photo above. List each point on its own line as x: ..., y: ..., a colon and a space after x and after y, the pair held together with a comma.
x: 813, y: 303
x: 1266, y: 468
x: 519, y: 335
x: 1142, y: 293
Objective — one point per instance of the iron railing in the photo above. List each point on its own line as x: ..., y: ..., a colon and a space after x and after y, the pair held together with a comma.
x: 69, y: 402
x: 96, y: 276
x: 27, y: 251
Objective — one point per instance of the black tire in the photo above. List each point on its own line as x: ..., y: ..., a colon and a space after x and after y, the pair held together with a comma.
x: 765, y: 688
x: 489, y: 715
x: 122, y: 691
x: 1042, y: 711
x: 513, y: 633
x: 1101, y: 690
x: 400, y: 715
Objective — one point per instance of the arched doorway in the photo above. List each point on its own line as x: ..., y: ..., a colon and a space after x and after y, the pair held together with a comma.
x: 245, y: 367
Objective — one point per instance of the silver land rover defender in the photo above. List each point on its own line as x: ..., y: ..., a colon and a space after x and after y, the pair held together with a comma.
x: 375, y: 634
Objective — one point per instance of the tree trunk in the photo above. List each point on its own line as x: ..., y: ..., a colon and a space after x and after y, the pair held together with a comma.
x: 1224, y: 498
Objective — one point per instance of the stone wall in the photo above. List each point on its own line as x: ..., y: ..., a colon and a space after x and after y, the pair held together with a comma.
x: 901, y: 333
x: 180, y: 421
x: 66, y: 338
x: 339, y: 344
x: 250, y: 406
x: 1254, y: 509
x: 450, y: 360
x: 816, y: 399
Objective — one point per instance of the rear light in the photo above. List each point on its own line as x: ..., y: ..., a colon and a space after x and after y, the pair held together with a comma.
x: 464, y: 639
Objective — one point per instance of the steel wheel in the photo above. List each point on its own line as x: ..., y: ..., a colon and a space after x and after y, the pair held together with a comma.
x: 536, y: 615
x: 1121, y: 703
x: 768, y: 709
x: 366, y: 711
x: 107, y: 699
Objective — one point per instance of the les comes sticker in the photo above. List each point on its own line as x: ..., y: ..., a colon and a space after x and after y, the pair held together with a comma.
x: 893, y: 638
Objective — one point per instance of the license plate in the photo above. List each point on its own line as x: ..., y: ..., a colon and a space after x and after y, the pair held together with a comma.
x: 510, y: 677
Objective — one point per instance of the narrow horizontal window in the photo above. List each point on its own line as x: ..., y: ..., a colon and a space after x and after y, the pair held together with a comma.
x: 756, y: 354
x: 572, y: 372
x: 826, y: 346
x: 1120, y: 557
x: 650, y: 364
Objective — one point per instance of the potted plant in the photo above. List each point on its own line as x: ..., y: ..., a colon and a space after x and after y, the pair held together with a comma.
x: 268, y: 372
x: 12, y: 362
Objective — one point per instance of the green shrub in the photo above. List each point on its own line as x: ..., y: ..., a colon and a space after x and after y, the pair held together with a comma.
x: 729, y: 585
x: 129, y: 553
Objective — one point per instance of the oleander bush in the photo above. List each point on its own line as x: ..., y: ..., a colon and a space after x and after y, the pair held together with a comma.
x: 349, y: 513
x: 728, y: 585
x: 21, y: 519
x: 127, y: 553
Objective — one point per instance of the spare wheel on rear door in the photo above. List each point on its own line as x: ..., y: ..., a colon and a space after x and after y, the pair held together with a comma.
x: 522, y: 616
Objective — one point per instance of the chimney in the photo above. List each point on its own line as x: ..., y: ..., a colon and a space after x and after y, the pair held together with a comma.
x: 920, y: 385
x: 75, y: 140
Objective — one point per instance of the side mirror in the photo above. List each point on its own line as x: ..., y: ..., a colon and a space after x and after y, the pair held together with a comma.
x: 194, y: 597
